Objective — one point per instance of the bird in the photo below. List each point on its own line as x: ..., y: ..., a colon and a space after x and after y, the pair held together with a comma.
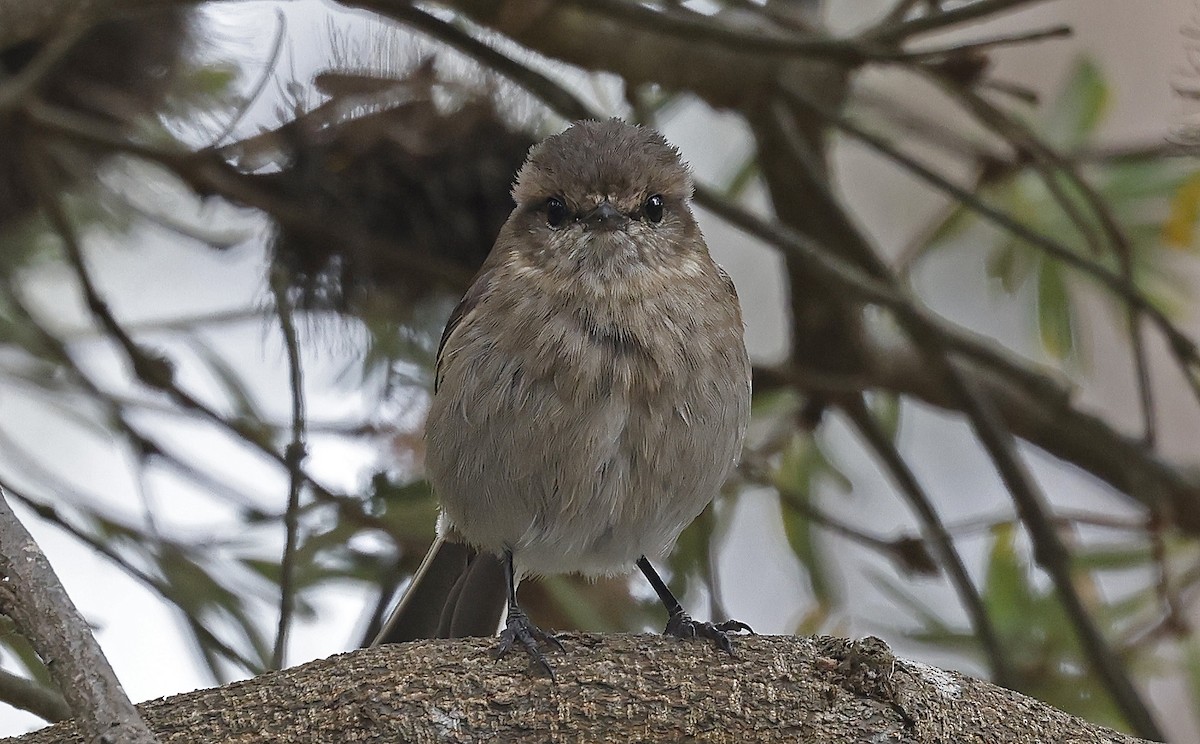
x: 591, y: 395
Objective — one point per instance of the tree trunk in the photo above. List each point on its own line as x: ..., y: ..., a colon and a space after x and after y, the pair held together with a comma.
x: 627, y: 688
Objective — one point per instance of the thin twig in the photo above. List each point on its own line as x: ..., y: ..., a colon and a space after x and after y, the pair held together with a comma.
x: 925, y: 126
x: 1000, y: 445
x: 294, y: 456
x: 1182, y: 346
x: 755, y: 468
x: 1051, y: 554
x: 979, y: 45
x: 261, y: 83
x: 150, y: 368
x: 840, y: 273
x: 157, y: 372
x: 1049, y: 161
x: 114, y: 405
x: 207, y: 172
x: 935, y: 533
x: 895, y: 32
x: 562, y: 101
x: 178, y: 323
x: 896, y: 15
x: 1063, y: 518
x: 50, y: 514
x: 1174, y: 616
x: 823, y: 519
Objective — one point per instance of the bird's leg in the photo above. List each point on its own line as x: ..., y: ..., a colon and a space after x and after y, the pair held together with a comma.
x: 519, y: 629
x: 680, y: 624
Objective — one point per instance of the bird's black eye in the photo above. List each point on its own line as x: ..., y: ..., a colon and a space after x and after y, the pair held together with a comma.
x: 556, y: 212
x: 654, y: 208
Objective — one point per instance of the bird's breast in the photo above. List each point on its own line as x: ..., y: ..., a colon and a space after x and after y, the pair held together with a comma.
x: 587, y: 427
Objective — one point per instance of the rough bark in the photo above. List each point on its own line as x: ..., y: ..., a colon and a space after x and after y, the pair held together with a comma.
x: 642, y: 688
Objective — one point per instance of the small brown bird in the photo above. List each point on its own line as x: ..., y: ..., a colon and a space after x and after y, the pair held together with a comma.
x: 591, y: 394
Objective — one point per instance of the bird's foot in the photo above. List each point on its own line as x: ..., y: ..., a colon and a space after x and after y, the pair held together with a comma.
x: 519, y: 629
x: 681, y: 625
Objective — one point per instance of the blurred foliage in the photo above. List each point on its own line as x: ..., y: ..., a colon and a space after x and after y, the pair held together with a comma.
x: 1154, y: 199
x: 1036, y: 634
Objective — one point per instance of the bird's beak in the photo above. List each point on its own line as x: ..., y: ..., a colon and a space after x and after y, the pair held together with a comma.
x: 604, y: 217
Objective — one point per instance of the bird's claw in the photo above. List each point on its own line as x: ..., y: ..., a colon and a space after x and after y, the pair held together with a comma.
x: 518, y: 628
x: 681, y: 625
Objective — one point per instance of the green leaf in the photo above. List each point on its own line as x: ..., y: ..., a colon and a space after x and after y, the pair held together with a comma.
x: 742, y: 177
x: 1056, y: 323
x: 1010, y: 263
x: 1113, y: 557
x: 1147, y: 178
x: 886, y: 409
x: 1073, y: 116
x: 205, y: 599
x: 955, y: 224
x: 1192, y: 667
x: 801, y: 468
x: 1179, y: 229
x: 932, y: 629
x: 211, y: 79
x: 18, y: 645
x: 690, y: 560
x: 409, y: 509
x: 1006, y: 590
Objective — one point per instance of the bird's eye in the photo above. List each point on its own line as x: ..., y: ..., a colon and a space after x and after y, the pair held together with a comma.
x: 654, y: 208
x: 556, y: 212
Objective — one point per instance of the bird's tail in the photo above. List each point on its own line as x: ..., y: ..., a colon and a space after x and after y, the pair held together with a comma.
x: 456, y: 592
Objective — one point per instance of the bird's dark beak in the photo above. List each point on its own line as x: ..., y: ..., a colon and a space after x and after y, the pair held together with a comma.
x: 604, y: 217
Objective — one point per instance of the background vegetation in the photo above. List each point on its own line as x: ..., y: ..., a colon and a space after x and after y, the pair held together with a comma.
x: 229, y: 240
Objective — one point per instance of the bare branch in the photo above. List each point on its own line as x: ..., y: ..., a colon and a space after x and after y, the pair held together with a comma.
x: 1051, y: 554
x: 211, y: 642
x: 980, y: 45
x: 934, y: 347
x: 935, y: 533
x: 28, y: 695
x: 32, y: 596
x: 295, y: 453
x: 932, y: 22
x: 1049, y: 162
x: 694, y: 27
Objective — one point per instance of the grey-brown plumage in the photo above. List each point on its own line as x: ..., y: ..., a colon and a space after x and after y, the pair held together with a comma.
x: 593, y: 385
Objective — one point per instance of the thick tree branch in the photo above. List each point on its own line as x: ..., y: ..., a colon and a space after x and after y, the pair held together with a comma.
x: 612, y: 688
x: 1058, y: 427
x: 723, y: 73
